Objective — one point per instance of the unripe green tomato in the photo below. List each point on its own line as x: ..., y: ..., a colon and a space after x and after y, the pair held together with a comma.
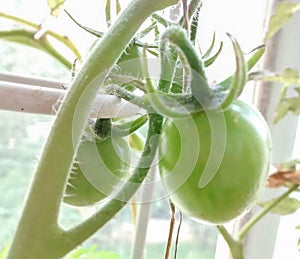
x: 241, y: 168
x: 99, y: 168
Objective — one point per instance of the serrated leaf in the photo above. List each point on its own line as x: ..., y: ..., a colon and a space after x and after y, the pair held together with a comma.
x: 55, y: 6
x: 288, y: 76
x: 282, y: 15
x: 287, y: 206
x: 288, y: 105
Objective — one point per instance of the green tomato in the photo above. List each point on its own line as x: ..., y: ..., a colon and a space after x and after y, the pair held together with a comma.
x: 97, y: 171
x: 239, y: 154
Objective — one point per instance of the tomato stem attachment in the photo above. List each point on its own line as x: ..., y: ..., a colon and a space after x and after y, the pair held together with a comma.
x: 263, y: 212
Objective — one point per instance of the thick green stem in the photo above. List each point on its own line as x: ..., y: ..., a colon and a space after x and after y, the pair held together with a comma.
x: 267, y: 209
x: 38, y: 235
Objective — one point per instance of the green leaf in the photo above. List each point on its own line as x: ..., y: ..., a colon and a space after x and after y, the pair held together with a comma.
x: 107, y: 12
x: 287, y: 206
x: 288, y: 76
x: 118, y: 7
x: 87, y: 29
x: 55, y: 6
x: 289, y: 165
x: 282, y: 15
x: 288, y: 105
x: 161, y: 20
x: 28, y: 38
x: 194, y: 24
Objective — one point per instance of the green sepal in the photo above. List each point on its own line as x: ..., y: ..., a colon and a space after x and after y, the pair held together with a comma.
x: 211, y: 60
x: 239, y: 78
x: 127, y: 128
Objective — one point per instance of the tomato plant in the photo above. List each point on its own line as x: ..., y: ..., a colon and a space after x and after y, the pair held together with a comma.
x: 239, y: 150
x: 239, y: 178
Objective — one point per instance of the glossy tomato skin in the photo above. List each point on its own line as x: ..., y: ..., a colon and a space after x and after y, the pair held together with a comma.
x: 98, y: 169
x: 239, y: 177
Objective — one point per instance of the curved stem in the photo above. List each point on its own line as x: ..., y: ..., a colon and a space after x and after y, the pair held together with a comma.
x: 267, y: 209
x: 43, y: 201
x: 178, y: 37
x: 199, y: 85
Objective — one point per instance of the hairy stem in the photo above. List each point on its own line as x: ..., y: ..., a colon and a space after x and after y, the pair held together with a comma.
x: 39, y: 217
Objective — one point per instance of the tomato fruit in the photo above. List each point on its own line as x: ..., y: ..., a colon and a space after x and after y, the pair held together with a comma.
x: 97, y: 171
x: 186, y: 146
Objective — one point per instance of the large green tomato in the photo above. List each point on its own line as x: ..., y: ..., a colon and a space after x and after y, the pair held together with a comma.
x: 99, y: 168
x: 238, y: 151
